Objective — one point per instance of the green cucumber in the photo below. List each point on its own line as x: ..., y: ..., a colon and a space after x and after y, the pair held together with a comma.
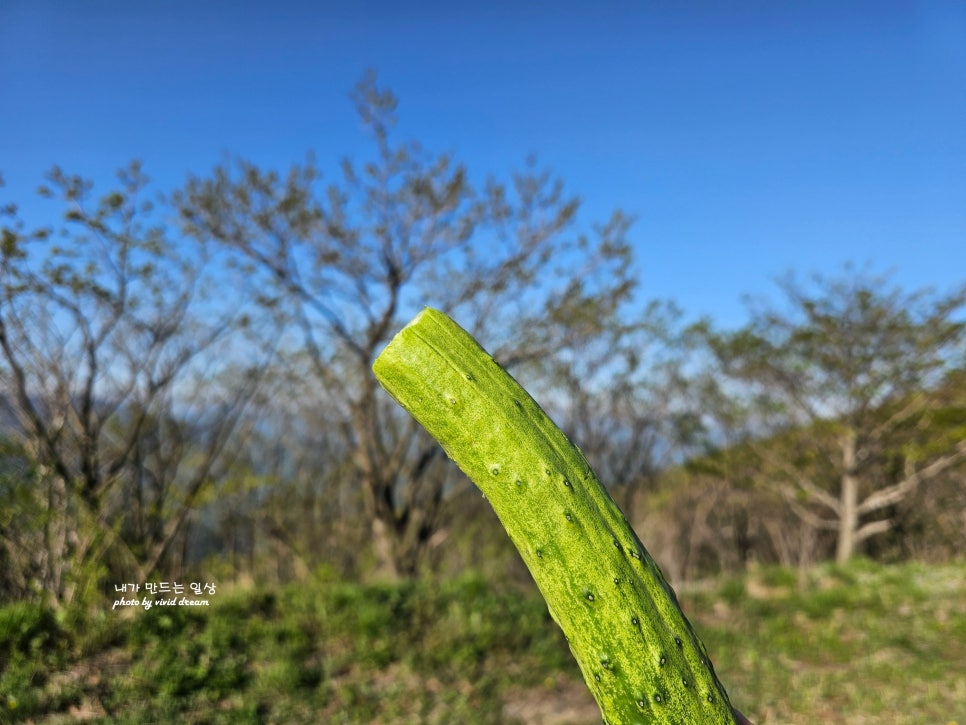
x: 637, y: 651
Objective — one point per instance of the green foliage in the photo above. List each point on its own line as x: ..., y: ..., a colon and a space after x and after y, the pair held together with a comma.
x: 860, y: 643
x: 29, y: 630
x: 33, y: 644
x: 288, y: 655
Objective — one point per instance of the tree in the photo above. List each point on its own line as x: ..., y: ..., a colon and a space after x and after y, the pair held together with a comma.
x: 121, y: 396
x: 22, y: 522
x: 841, y: 391
x: 637, y: 416
x: 343, y: 266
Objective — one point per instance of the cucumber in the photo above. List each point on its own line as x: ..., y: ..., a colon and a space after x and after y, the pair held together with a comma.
x: 637, y: 651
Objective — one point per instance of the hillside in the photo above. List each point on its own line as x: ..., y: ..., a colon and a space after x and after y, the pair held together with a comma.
x: 861, y: 644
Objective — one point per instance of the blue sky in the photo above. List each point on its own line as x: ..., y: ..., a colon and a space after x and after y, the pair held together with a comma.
x: 747, y: 138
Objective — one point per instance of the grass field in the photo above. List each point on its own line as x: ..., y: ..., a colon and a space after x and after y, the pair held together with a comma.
x: 860, y: 644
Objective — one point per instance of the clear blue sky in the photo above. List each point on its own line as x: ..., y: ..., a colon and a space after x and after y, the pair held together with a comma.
x: 748, y: 138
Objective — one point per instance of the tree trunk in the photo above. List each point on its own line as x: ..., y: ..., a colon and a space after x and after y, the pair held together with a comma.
x: 848, y: 501
x: 383, y: 548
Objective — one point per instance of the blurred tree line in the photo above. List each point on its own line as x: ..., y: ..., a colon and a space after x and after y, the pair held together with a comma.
x: 185, y: 383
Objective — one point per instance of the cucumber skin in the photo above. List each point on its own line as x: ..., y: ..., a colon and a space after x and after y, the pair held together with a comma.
x: 637, y: 651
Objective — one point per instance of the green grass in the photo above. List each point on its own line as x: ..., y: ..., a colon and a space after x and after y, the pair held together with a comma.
x: 860, y: 644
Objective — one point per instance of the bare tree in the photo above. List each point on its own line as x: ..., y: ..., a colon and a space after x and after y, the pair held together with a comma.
x: 841, y: 390
x: 630, y: 401
x: 345, y: 265
x: 115, y: 365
